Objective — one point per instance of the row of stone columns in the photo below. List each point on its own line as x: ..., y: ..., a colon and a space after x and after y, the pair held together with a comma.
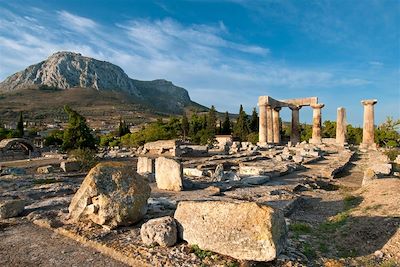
x: 269, y: 124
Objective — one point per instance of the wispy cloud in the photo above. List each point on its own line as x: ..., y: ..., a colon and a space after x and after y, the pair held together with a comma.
x: 75, y: 22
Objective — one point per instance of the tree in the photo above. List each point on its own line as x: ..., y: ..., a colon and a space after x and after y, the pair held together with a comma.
x: 387, y: 134
x: 211, y: 120
x: 254, y: 121
x: 241, y: 128
x: 77, y: 134
x: 226, y: 125
x: 329, y: 129
x: 20, y: 125
x: 123, y: 128
x: 185, y: 126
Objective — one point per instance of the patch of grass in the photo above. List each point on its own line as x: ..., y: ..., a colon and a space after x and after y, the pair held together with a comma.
x: 300, y: 228
x: 334, y: 222
x: 351, y: 201
x: 323, y: 247
x: 200, y: 253
x: 373, y: 207
x: 346, y: 253
x: 389, y: 263
x: 309, y: 251
x: 232, y: 264
x: 45, y: 181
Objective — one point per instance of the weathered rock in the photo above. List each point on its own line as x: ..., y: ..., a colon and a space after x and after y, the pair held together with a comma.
x: 219, y: 172
x: 11, y: 208
x: 397, y: 160
x: 169, y: 174
x: 298, y: 159
x: 382, y: 168
x: 253, y: 170
x: 193, y: 172
x: 369, y: 176
x: 213, y: 190
x: 145, y: 165
x: 13, y: 171
x: 45, y: 169
x: 163, y: 147
x: 256, y: 180
x: 161, y: 231
x: 243, y: 230
x: 112, y: 194
x: 70, y: 166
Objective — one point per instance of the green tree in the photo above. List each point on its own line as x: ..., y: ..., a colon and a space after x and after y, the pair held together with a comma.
x: 305, y: 132
x: 329, y: 129
x: 354, y: 135
x: 211, y: 120
x: 226, y: 125
x: 20, y: 125
x: 387, y: 134
x: 241, y: 128
x: 185, y: 126
x: 123, y: 128
x: 77, y: 134
x: 254, y: 121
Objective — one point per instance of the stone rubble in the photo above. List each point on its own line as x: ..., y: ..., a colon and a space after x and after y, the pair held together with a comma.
x: 161, y: 231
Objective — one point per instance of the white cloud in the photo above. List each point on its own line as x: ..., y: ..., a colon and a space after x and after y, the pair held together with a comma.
x: 77, y: 23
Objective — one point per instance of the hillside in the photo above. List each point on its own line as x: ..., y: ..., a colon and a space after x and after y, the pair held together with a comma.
x: 94, y: 87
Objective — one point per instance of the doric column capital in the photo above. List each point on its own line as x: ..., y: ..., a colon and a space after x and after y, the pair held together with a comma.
x: 369, y: 102
x: 317, y: 106
x: 262, y: 100
x: 295, y: 107
x: 277, y: 108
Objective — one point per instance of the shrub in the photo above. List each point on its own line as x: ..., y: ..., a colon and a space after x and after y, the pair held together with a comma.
x: 86, y: 156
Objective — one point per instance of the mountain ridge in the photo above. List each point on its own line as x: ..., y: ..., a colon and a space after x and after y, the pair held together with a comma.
x: 66, y: 70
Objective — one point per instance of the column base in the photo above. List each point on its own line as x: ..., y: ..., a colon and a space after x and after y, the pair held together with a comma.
x: 369, y: 146
x: 262, y: 144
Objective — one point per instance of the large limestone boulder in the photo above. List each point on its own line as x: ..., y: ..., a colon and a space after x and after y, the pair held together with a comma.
x: 161, y: 231
x: 169, y: 174
x: 11, y: 208
x: 382, y: 168
x: 243, y: 230
x: 145, y: 165
x: 112, y: 194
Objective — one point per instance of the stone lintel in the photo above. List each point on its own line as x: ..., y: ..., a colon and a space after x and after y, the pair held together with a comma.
x: 307, y: 101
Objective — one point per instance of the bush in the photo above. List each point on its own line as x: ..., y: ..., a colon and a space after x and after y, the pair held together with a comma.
x: 86, y: 156
x: 55, y: 138
x: 253, y: 138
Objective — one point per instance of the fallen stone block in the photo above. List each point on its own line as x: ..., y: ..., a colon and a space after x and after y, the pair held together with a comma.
x: 369, y: 176
x: 45, y: 169
x: 169, y: 174
x: 112, y: 194
x: 161, y: 231
x: 242, y: 230
x: 255, y: 180
x: 382, y: 168
x: 163, y: 147
x: 70, y: 166
x: 298, y: 159
x: 194, y: 172
x: 11, y: 208
x: 145, y: 165
x: 13, y: 171
x: 253, y: 170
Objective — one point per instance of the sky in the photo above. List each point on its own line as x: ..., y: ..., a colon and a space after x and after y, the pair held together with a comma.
x: 225, y: 53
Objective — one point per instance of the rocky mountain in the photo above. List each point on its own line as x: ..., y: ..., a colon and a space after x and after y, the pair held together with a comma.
x: 66, y: 70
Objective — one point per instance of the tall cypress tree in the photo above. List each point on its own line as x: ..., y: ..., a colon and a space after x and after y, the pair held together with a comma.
x: 211, y: 120
x: 185, y: 126
x: 123, y: 128
x: 254, y: 121
x: 241, y: 129
x: 226, y: 125
x: 20, y: 125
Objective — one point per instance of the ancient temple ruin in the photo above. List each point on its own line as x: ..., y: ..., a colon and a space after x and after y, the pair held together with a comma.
x: 269, y: 129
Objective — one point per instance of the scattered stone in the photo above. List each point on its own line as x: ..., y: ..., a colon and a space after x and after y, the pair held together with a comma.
x: 169, y: 174
x: 298, y: 159
x: 397, y: 160
x: 70, y: 166
x: 219, y: 173
x: 11, y: 208
x: 193, y: 172
x: 253, y: 170
x: 161, y: 231
x: 214, y: 190
x: 369, y: 176
x: 242, y: 230
x: 112, y: 194
x: 382, y: 168
x: 13, y: 171
x: 45, y: 169
x: 145, y: 165
x: 378, y: 254
x: 255, y: 180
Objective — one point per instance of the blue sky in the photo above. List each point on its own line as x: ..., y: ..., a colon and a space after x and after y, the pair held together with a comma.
x: 225, y: 53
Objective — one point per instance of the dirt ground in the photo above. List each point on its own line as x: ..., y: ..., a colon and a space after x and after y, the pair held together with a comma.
x: 25, y: 244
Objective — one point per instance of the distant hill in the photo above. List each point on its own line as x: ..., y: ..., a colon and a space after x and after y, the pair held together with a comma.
x: 98, y: 87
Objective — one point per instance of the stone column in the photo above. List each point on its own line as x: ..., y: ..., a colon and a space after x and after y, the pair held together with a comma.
x: 270, y: 123
x: 316, y: 129
x: 368, y: 127
x: 295, y: 133
x: 262, y: 129
x: 276, y: 125
x: 341, y: 125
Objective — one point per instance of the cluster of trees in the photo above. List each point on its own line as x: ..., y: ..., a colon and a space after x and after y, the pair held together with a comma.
x: 200, y: 129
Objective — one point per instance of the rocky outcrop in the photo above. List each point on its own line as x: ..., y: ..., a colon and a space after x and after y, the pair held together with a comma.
x: 112, y: 194
x: 65, y: 70
x: 242, y: 230
x: 161, y: 231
